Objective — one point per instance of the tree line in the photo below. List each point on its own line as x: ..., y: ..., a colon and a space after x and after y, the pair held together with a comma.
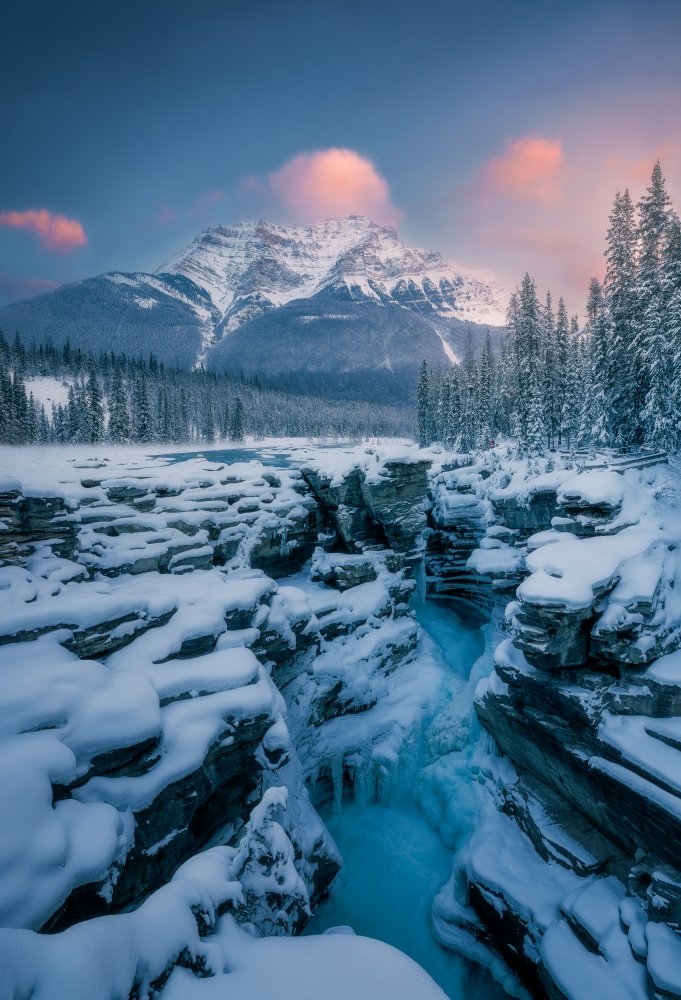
x: 615, y: 382
x: 114, y: 398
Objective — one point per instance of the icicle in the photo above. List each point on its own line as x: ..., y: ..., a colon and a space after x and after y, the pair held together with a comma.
x: 383, y: 785
x: 360, y: 787
x: 337, y: 780
x: 420, y: 579
x: 487, y: 743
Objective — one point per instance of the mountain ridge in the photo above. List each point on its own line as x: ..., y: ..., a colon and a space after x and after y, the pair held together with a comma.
x: 345, y: 297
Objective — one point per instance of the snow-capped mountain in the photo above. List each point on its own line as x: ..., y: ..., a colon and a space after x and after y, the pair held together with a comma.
x: 250, y: 267
x: 341, y: 308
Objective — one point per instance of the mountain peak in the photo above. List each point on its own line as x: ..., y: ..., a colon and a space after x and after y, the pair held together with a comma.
x: 248, y: 267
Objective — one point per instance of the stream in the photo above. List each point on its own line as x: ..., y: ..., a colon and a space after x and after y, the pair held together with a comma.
x: 394, y: 861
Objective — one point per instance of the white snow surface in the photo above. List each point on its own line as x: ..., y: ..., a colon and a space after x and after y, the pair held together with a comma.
x: 252, y: 265
x: 51, y: 392
x: 60, y: 713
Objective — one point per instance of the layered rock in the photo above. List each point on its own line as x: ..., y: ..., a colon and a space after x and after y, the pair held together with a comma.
x: 582, y: 832
x: 380, y: 503
x: 142, y: 711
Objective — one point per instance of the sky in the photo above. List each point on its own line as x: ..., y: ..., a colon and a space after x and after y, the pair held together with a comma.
x: 496, y: 133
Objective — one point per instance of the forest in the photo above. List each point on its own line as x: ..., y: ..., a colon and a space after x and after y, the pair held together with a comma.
x: 614, y: 382
x: 121, y: 400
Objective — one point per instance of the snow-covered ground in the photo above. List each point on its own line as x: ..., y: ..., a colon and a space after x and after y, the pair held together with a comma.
x: 178, y: 684
x: 139, y: 645
x: 50, y: 392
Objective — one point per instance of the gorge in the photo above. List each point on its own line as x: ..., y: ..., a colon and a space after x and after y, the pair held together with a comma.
x: 464, y: 664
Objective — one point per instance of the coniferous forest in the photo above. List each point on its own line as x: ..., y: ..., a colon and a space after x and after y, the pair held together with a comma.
x: 614, y: 382
x: 124, y: 401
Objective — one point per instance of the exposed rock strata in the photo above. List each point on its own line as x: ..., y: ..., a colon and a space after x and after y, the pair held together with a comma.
x: 160, y: 718
x: 574, y: 873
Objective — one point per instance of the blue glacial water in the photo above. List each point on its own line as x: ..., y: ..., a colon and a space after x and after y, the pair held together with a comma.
x: 394, y: 861
x: 276, y: 458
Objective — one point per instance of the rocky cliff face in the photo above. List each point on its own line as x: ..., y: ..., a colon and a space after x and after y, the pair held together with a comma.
x: 574, y: 870
x: 178, y: 697
x: 158, y: 683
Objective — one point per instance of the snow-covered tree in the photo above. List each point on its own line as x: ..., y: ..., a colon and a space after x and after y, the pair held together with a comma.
x: 486, y: 393
x: 94, y: 412
x: 119, y: 416
x: 236, y: 426
x: 598, y: 332
x: 423, y: 406
x: 619, y: 290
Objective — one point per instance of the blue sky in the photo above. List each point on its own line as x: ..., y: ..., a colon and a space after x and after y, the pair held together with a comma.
x: 499, y: 132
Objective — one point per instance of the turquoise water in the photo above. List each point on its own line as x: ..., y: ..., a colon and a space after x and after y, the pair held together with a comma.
x: 395, y: 862
x: 277, y: 458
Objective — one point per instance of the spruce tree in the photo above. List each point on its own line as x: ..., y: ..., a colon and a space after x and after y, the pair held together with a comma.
x: 561, y: 365
x: 620, y: 295
x: 119, y: 416
x: 95, y: 409
x: 548, y: 373
x: 143, y: 424
x: 236, y: 426
x: 486, y: 393
x: 422, y: 406
x: 655, y: 218
x: 598, y: 331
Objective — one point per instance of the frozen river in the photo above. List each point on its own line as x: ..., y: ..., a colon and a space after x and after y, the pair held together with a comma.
x: 394, y: 861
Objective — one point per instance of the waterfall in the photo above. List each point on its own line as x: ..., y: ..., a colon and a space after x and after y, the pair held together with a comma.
x: 420, y: 579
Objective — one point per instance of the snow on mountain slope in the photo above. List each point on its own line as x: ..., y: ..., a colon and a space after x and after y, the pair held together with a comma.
x: 249, y: 268
x: 342, y: 309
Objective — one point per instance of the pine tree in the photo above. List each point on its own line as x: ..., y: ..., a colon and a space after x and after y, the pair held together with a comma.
x: 119, y: 416
x: 143, y: 424
x: 20, y: 420
x: 620, y: 295
x: 236, y: 426
x: 526, y: 338
x: 671, y: 289
x: 535, y: 431
x: 598, y: 331
x: 469, y: 423
x: 655, y: 218
x: 574, y: 388
x: 658, y: 416
x: 95, y: 409
x: 587, y: 416
x: 562, y: 361
x: 548, y: 371
x: 207, y: 421
x: 423, y: 406
x: 486, y: 392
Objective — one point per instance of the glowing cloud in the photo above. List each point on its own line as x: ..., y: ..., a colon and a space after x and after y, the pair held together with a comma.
x: 529, y: 169
x: 542, y: 204
x: 327, y: 183
x: 55, y: 232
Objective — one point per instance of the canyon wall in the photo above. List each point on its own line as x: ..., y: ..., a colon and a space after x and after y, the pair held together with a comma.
x: 164, y: 695
x: 574, y: 872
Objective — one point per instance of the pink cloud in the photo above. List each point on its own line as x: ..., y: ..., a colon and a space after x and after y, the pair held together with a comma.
x: 542, y: 205
x: 529, y: 169
x: 55, y: 232
x: 327, y: 183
